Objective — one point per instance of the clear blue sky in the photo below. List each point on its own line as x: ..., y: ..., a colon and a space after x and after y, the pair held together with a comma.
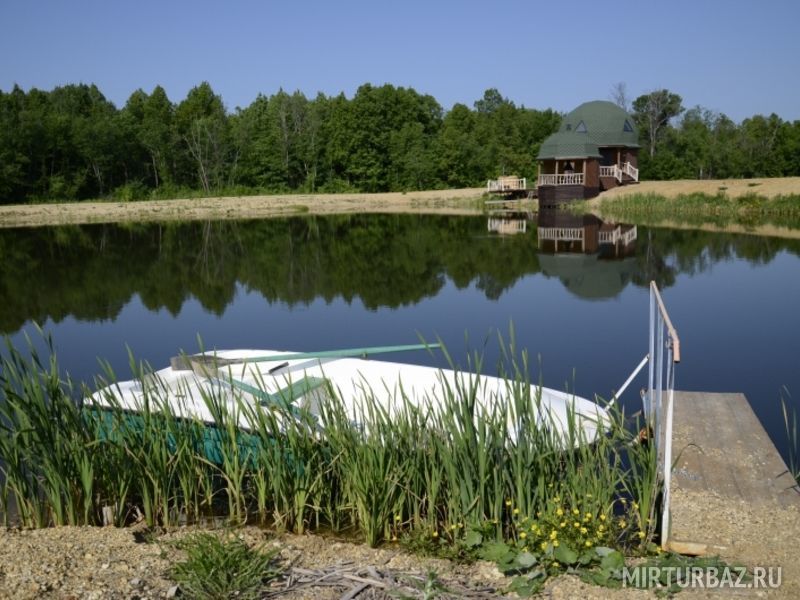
x: 736, y: 57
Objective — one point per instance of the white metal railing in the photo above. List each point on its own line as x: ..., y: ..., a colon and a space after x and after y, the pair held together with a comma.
x: 611, y: 171
x: 569, y: 234
x: 562, y: 179
x: 631, y: 171
x: 506, y: 184
x: 665, y: 353
x: 609, y: 237
x: 507, y: 226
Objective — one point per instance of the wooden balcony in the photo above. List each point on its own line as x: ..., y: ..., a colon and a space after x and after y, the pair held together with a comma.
x: 559, y: 234
x: 561, y: 179
x: 619, y: 172
x: 506, y: 184
x: 611, y: 171
x: 630, y: 171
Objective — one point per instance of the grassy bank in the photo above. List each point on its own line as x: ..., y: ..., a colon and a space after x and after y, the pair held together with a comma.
x: 719, y: 210
x: 441, y: 481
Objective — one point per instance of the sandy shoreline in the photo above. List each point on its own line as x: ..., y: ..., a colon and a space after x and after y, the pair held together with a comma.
x: 450, y: 202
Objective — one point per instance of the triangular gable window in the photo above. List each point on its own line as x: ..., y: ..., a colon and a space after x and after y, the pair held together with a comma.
x: 581, y: 128
x: 627, y: 126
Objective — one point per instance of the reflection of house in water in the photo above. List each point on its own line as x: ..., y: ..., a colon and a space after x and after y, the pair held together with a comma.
x: 561, y: 232
x: 507, y: 222
x: 592, y: 258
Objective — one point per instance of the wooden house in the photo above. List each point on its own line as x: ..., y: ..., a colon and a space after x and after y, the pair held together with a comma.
x: 595, y: 149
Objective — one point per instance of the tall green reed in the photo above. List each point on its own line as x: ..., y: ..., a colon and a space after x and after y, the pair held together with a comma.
x: 469, y: 453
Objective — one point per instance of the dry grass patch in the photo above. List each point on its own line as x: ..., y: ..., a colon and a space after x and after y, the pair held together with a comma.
x: 768, y: 187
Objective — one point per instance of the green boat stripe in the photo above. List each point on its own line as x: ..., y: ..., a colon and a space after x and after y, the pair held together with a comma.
x: 363, y: 352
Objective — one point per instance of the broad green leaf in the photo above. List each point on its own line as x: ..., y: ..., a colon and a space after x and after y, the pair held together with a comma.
x: 473, y: 538
x: 526, y: 560
x: 565, y: 555
x: 612, y: 561
x: 495, y: 551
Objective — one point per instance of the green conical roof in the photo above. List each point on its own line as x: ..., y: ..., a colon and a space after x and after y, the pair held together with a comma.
x: 599, y: 123
x: 568, y: 144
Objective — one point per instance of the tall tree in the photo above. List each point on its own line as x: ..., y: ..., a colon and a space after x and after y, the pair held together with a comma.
x: 201, y: 122
x: 619, y: 96
x: 653, y: 112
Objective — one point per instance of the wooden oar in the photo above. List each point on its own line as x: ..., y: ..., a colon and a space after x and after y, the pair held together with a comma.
x: 213, y: 362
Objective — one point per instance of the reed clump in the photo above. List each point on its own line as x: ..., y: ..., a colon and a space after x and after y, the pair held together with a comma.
x: 748, y: 210
x: 448, y: 470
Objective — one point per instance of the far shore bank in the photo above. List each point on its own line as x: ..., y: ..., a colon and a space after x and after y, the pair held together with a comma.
x: 768, y: 187
x: 449, y: 202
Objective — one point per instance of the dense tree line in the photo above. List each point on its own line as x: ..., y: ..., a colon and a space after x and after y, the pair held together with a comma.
x: 72, y: 143
x: 702, y: 144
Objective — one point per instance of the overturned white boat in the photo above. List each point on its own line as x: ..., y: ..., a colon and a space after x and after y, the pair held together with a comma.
x: 305, y: 382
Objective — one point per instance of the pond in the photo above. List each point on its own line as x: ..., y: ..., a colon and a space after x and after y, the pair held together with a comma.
x: 573, y: 289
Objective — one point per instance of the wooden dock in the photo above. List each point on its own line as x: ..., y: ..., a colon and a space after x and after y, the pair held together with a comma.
x: 722, y: 452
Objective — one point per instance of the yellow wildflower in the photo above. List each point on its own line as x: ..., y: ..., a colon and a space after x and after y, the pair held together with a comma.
x: 555, y: 564
x: 508, y: 502
x: 555, y: 543
x: 435, y: 534
x: 584, y: 531
x: 516, y: 511
x: 553, y: 534
x: 543, y: 546
x: 641, y: 535
x: 562, y: 524
x: 560, y: 511
x: 622, y: 523
x: 575, y: 511
x: 587, y: 516
x: 588, y: 544
x: 602, y: 517
x: 576, y: 524
x: 522, y: 535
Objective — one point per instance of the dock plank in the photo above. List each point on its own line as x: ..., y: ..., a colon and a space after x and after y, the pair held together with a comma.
x: 722, y: 449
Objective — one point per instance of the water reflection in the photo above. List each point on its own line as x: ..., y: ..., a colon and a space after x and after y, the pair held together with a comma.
x: 92, y: 273
x: 508, y: 222
x: 593, y: 259
x: 561, y: 232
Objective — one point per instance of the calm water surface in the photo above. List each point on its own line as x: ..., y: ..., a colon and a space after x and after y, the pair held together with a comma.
x: 311, y: 283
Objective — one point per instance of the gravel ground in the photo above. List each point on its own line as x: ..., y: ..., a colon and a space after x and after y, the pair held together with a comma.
x: 93, y: 563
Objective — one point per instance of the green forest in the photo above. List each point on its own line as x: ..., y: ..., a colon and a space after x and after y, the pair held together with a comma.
x: 72, y: 143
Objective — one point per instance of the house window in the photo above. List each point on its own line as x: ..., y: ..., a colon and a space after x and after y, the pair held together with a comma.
x: 581, y: 128
x: 569, y: 127
x: 627, y: 126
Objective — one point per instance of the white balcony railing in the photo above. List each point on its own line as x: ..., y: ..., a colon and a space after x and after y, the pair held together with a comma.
x: 609, y: 237
x: 575, y: 179
x: 630, y: 235
x: 506, y: 184
x: 631, y: 171
x: 561, y: 234
x: 507, y: 226
x: 611, y: 171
